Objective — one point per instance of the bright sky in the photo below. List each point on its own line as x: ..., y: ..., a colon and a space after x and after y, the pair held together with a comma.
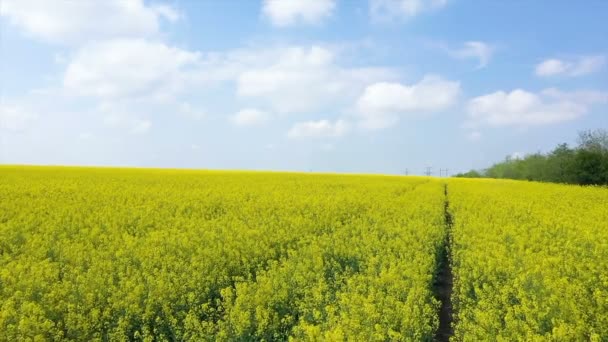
x: 323, y: 85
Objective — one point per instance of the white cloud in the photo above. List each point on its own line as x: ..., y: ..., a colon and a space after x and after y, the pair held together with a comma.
x: 551, y: 67
x: 15, y: 118
x: 580, y: 66
x: 249, y: 116
x: 588, y: 65
x: 299, y: 79
x: 287, y: 79
x: 582, y: 96
x: 522, y: 108
x: 382, y: 103
x: 391, y: 9
x: 318, y: 129
x: 128, y: 67
x: 291, y: 12
x: 474, y: 49
x: 73, y: 22
x: 292, y: 79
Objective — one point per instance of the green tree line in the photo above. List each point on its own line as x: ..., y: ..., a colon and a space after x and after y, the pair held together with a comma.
x: 585, y: 164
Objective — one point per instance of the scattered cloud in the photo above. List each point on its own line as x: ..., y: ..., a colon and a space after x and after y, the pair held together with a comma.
x: 383, y: 10
x: 580, y: 66
x: 128, y: 67
x: 582, y: 96
x: 318, y: 129
x: 522, y: 108
x: 15, y: 118
x: 473, y: 49
x: 140, y: 72
x: 292, y: 12
x: 250, y: 116
x: 74, y: 22
x: 551, y: 67
x: 299, y: 79
x: 381, y: 104
x: 588, y: 65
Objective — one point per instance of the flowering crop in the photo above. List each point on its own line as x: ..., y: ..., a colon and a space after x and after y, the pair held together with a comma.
x: 530, y: 261
x: 149, y: 254
x: 118, y: 254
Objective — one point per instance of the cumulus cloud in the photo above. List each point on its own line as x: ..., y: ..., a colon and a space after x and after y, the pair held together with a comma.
x: 128, y: 67
x: 473, y: 49
x: 551, y: 67
x: 289, y: 68
x: 291, y: 12
x: 299, y: 79
x: 15, y: 118
x: 285, y: 79
x: 522, y: 108
x: 318, y: 129
x: 580, y: 66
x: 394, y: 9
x: 381, y: 104
x: 249, y: 116
x: 73, y: 22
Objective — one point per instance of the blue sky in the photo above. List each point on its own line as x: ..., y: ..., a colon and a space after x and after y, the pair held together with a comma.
x: 324, y: 85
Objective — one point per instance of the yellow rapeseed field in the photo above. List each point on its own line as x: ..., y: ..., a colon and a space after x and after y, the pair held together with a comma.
x: 118, y: 254
x: 530, y: 261
x: 109, y: 254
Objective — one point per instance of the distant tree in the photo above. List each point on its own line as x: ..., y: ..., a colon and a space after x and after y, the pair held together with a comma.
x: 596, y: 140
x: 560, y: 164
x: 586, y: 164
x: 470, y: 174
x: 591, y: 167
x: 534, y: 167
x: 591, y: 160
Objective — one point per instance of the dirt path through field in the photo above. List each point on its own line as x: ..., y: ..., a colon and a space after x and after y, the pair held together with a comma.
x: 444, y: 279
